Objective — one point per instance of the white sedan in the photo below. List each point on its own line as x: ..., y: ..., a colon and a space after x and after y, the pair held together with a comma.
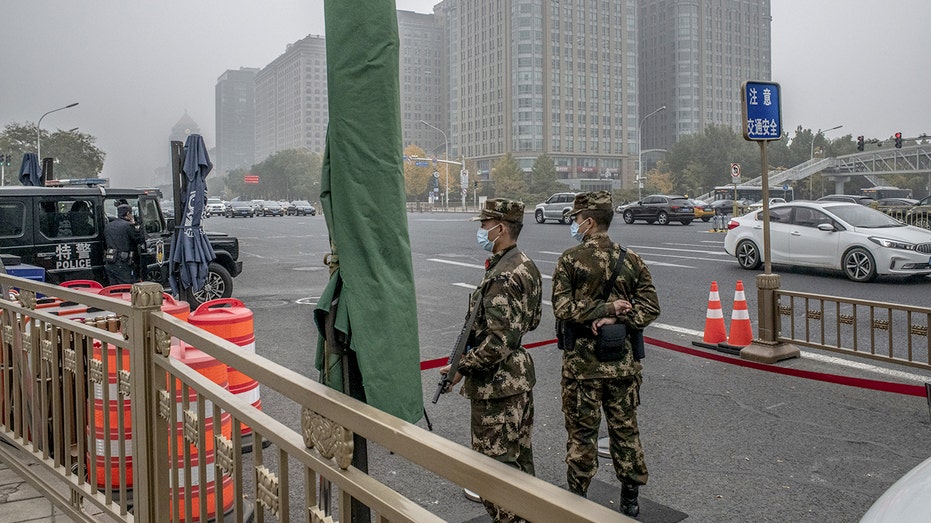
x: 856, y: 239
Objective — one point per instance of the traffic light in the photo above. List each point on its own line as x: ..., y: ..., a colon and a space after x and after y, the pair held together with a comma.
x: 859, y: 143
x: 898, y: 140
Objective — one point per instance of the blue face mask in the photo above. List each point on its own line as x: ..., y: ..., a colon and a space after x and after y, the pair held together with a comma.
x: 575, y: 233
x: 482, y: 238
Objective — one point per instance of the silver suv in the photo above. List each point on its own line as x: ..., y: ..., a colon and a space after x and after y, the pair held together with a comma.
x: 555, y: 207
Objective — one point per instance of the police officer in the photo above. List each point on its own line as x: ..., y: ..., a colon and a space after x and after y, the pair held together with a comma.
x: 123, y: 240
x: 498, y: 371
x: 590, y: 385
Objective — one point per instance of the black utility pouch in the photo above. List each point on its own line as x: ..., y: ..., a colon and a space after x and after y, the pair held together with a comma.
x: 565, y: 335
x: 611, y: 343
x: 109, y: 255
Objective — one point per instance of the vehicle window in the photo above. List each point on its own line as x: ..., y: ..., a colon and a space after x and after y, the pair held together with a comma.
x: 110, y: 205
x: 151, y: 219
x: 860, y: 216
x: 680, y: 201
x: 12, y: 218
x: 67, y: 218
x: 779, y: 214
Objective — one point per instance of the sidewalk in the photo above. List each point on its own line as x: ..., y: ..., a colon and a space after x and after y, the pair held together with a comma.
x: 21, y: 502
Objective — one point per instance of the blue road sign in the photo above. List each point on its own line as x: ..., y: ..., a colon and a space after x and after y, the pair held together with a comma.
x: 762, y: 111
x: 422, y: 163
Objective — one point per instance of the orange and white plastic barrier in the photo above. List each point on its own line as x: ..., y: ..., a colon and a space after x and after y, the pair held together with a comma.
x: 231, y: 320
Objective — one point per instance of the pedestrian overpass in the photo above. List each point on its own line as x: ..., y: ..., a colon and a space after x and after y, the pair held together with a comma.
x: 874, y: 165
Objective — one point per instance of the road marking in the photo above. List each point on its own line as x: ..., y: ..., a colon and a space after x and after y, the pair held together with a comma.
x: 816, y: 356
x: 663, y: 264
x: 472, y: 265
x: 650, y: 247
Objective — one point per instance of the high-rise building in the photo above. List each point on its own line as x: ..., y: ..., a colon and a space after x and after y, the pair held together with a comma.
x: 291, y: 100
x: 423, y: 77
x: 235, y: 114
x: 694, y: 54
x: 538, y: 76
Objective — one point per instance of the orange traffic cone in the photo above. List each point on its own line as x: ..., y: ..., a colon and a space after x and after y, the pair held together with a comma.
x: 741, y: 328
x: 715, y: 331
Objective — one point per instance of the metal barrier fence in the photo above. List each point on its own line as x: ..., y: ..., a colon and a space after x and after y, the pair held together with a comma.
x: 916, y: 217
x: 132, y: 428
x: 870, y: 329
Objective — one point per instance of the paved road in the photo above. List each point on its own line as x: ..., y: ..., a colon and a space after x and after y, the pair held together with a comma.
x: 723, y: 442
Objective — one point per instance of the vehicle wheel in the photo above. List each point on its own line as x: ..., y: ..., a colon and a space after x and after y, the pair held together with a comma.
x: 685, y: 221
x: 628, y: 217
x: 539, y: 216
x: 859, y: 265
x: 219, y: 284
x: 748, y: 255
x: 565, y: 217
x: 663, y: 218
x: 706, y: 219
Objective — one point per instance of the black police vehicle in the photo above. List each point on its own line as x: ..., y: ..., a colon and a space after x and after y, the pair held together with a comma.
x: 60, y: 229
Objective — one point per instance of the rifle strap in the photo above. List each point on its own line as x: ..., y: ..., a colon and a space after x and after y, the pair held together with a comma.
x: 617, y: 271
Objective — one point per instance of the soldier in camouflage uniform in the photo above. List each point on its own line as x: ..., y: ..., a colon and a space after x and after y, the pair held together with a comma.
x: 589, y: 385
x: 498, y: 371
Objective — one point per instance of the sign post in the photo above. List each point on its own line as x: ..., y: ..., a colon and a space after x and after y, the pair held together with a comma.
x: 735, y: 179
x: 762, y: 123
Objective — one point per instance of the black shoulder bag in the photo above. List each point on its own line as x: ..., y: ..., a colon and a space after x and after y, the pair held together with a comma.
x: 612, y: 339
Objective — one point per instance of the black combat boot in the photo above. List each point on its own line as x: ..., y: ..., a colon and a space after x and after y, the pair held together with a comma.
x: 629, y: 505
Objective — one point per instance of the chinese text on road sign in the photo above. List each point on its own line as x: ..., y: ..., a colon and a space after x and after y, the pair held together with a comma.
x: 761, y: 110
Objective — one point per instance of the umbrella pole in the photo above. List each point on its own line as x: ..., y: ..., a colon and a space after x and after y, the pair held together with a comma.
x: 177, y: 180
x: 352, y: 385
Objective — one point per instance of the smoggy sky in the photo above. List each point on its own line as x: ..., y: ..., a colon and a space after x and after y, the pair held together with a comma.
x: 136, y: 67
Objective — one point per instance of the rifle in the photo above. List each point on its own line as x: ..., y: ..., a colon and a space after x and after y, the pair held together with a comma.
x: 458, y: 350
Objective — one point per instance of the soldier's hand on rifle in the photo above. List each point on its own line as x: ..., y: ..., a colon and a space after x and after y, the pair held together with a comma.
x: 444, y: 370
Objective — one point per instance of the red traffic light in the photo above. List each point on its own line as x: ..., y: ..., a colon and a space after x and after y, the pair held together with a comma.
x: 898, y: 140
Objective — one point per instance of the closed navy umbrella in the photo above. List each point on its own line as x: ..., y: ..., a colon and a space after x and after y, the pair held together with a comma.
x: 29, y: 172
x: 191, y: 252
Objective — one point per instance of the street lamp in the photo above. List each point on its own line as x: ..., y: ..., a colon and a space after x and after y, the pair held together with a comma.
x: 446, y: 142
x: 640, y: 153
x: 39, y: 129
x: 812, y: 157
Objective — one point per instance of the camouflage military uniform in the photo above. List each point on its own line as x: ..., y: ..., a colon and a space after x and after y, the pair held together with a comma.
x: 589, y: 385
x: 499, y: 373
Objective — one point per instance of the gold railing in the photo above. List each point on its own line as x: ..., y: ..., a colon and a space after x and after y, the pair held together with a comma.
x: 918, y: 218
x: 71, y: 393
x: 870, y: 329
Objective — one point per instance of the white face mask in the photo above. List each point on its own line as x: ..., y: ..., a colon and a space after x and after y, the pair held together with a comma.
x: 482, y: 238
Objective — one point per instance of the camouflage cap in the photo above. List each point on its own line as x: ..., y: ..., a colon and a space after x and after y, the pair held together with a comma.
x: 591, y: 201
x: 502, y: 209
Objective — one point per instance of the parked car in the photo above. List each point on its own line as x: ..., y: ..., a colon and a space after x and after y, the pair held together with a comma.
x: 756, y: 206
x: 660, y: 208
x: 849, y: 198
x: 301, y: 207
x: 214, y: 207
x: 555, y: 208
x: 908, y: 500
x: 61, y: 229
x: 860, y: 241
x: 895, y: 203
x: 703, y: 210
x: 240, y: 208
x: 272, y: 208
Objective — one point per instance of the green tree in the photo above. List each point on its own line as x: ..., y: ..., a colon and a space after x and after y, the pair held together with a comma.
x: 76, y: 153
x: 543, y: 181
x: 508, y: 178
x: 417, y: 180
x: 291, y: 174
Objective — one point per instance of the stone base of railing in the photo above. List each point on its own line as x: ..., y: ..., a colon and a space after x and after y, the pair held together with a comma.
x: 769, y: 352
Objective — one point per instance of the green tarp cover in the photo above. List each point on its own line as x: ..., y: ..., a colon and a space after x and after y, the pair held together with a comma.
x: 363, y: 200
